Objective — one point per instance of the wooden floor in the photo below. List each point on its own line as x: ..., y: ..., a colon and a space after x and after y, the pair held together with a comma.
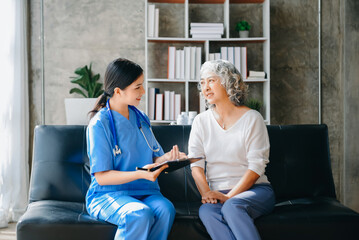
x: 8, y: 233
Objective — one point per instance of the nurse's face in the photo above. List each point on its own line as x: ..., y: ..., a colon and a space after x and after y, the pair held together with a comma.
x: 133, y: 93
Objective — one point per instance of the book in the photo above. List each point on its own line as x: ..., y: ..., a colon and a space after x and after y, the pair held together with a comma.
x: 256, y: 74
x: 182, y: 64
x: 156, y: 22
x: 231, y: 55
x: 167, y: 105
x: 244, y: 62
x: 198, y: 62
x: 159, y: 106
x: 171, y: 62
x: 187, y: 62
x: 206, y: 30
x: 173, y: 164
x: 177, y: 105
x: 178, y: 64
x: 224, y: 54
x: 151, y: 20
x: 206, y: 35
x: 237, y: 58
x: 172, y: 105
x: 217, y: 56
x: 193, y: 63
x: 193, y: 24
x: 152, y: 102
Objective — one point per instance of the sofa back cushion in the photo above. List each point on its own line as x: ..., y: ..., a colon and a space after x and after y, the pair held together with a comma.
x: 60, y: 169
x: 300, y: 162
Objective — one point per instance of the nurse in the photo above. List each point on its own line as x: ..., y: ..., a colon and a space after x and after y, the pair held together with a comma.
x: 119, y: 139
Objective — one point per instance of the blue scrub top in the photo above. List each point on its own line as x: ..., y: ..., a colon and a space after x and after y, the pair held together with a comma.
x: 135, y: 152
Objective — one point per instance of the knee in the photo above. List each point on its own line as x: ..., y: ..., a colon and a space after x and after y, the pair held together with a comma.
x: 167, y: 210
x: 233, y: 205
x: 139, y: 213
x: 206, y: 211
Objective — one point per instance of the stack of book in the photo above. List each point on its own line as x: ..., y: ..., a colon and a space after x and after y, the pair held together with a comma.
x: 184, y: 63
x: 206, y: 30
x: 163, y: 106
x: 236, y: 55
x: 152, y: 21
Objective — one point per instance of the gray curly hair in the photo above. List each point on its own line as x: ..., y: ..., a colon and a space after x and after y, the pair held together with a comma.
x: 231, y: 80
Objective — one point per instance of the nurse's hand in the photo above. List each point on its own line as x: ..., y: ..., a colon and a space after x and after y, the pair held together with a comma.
x: 152, y: 176
x: 172, y: 155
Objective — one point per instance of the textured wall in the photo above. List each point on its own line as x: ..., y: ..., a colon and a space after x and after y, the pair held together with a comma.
x: 84, y: 31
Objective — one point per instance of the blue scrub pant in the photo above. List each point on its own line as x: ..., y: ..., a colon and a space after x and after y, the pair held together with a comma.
x: 234, y: 218
x: 139, y: 217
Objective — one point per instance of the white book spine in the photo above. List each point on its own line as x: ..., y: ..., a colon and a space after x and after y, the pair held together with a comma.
x: 167, y: 105
x: 172, y: 105
x: 157, y: 22
x: 198, y: 63
x: 178, y: 64
x: 237, y: 58
x: 231, y: 55
x: 159, y: 106
x: 182, y: 65
x: 193, y: 63
x: 151, y: 103
x: 177, y: 105
x: 187, y: 69
x: 171, y: 62
x: 211, y: 56
x: 217, y: 56
x: 224, y: 54
x: 151, y: 20
x: 244, y: 62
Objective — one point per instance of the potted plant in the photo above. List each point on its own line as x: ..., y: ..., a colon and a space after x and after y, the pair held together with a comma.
x: 77, y: 108
x: 254, y: 104
x: 243, y: 28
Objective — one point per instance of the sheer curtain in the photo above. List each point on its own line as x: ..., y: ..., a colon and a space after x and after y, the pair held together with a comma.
x: 14, y: 115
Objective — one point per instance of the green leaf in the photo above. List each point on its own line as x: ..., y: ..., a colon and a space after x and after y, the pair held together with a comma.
x: 76, y: 90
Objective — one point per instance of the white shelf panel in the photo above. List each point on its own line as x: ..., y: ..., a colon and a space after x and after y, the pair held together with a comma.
x: 162, y: 121
x: 170, y: 39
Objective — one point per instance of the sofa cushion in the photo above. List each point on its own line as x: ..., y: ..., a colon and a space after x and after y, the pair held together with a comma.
x: 58, y: 220
x: 309, y: 218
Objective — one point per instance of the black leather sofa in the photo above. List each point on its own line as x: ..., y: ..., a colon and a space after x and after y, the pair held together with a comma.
x: 299, y: 171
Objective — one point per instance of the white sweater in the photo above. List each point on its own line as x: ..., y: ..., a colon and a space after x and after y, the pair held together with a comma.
x: 229, y: 153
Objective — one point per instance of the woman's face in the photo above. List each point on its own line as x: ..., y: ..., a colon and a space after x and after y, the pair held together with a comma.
x: 133, y: 93
x: 212, y: 88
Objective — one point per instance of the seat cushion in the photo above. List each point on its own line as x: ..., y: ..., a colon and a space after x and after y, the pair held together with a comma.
x: 309, y: 218
x: 55, y: 220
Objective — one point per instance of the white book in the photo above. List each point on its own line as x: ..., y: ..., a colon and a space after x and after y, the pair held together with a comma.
x: 206, y: 30
x: 171, y: 62
x: 217, y: 56
x: 206, y: 35
x: 172, y: 105
x: 187, y: 62
x: 178, y: 64
x: 198, y: 63
x: 151, y: 20
x: 224, y: 54
x: 157, y: 22
x: 193, y: 63
x: 256, y: 74
x: 177, y: 105
x: 167, y: 105
x: 182, y: 65
x: 159, y: 106
x: 230, y: 55
x: 244, y: 62
x: 152, y: 102
x: 211, y: 56
x: 237, y: 58
x: 206, y: 24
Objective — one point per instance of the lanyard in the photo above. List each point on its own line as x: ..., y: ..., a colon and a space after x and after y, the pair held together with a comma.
x: 117, y: 150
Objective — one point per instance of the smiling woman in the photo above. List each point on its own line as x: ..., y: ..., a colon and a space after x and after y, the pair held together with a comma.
x: 14, y: 119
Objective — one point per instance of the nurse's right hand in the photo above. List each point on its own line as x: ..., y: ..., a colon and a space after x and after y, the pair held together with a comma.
x: 152, y: 176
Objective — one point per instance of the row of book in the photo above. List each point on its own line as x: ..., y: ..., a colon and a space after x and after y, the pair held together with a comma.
x: 184, y: 63
x: 153, y: 16
x: 236, y: 55
x: 163, y: 106
x: 206, y: 30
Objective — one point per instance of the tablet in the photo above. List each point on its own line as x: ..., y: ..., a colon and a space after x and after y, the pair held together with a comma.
x: 173, y: 164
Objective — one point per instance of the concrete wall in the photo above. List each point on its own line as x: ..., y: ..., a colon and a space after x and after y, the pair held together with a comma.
x: 84, y: 31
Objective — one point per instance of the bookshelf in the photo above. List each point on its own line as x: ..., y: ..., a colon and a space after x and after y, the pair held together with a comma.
x: 174, y: 30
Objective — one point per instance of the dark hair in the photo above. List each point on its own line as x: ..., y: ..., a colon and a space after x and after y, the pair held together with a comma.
x: 120, y: 73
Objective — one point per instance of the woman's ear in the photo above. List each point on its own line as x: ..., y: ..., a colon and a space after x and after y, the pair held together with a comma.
x: 117, y: 91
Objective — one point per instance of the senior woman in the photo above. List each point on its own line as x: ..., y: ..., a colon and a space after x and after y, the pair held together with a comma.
x: 234, y: 140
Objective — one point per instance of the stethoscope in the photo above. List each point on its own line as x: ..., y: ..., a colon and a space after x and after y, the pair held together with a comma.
x: 139, y: 115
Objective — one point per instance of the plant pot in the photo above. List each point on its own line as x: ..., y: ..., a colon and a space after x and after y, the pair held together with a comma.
x: 243, y: 34
x: 77, y: 110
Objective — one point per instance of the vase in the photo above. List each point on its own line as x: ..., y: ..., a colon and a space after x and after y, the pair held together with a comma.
x: 77, y: 110
x: 243, y: 34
